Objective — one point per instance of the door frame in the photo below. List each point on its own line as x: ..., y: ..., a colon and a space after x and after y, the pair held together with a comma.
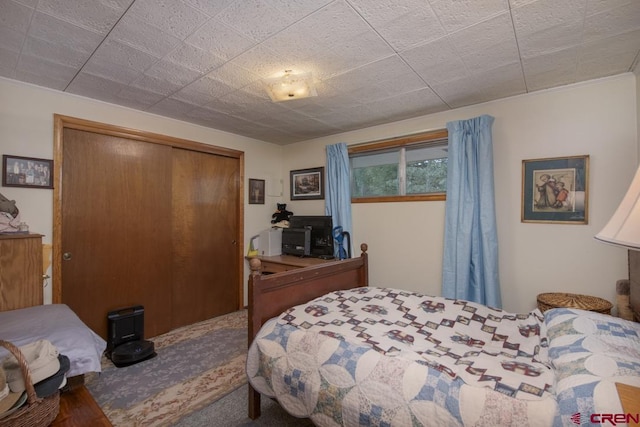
x: 62, y: 122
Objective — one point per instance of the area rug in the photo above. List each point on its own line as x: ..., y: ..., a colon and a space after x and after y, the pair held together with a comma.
x: 195, y: 366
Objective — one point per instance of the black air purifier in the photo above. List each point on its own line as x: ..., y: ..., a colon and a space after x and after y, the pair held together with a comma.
x: 126, y: 344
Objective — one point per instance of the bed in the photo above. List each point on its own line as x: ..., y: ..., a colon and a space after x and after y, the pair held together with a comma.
x: 334, y: 350
x: 60, y: 325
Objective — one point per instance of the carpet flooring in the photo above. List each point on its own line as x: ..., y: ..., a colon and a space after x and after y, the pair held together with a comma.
x: 195, y: 366
x: 231, y: 411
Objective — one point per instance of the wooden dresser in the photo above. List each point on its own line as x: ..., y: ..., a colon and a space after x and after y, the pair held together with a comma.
x: 20, y: 271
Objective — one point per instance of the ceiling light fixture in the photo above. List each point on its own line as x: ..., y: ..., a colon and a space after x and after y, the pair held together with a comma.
x: 290, y: 86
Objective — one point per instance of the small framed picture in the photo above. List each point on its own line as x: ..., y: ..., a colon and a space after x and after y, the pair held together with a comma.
x: 307, y: 184
x: 256, y: 191
x: 555, y: 190
x: 27, y: 172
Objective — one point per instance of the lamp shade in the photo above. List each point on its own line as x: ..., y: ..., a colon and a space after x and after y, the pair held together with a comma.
x: 623, y: 229
x: 290, y: 86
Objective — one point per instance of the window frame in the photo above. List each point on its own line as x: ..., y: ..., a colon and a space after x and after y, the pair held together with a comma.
x: 408, y: 141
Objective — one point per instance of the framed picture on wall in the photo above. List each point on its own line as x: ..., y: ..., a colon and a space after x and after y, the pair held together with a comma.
x: 256, y: 191
x: 555, y: 190
x: 26, y: 172
x: 307, y: 184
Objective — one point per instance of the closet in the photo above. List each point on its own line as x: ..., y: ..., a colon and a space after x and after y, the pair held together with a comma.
x: 147, y: 220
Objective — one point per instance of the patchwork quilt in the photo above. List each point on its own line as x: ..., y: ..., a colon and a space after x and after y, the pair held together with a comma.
x: 385, y: 357
x: 590, y: 352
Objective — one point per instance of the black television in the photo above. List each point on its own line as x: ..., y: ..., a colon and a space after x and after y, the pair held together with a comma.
x: 321, y: 243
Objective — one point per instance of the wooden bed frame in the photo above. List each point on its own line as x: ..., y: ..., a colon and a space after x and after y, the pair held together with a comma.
x: 270, y: 295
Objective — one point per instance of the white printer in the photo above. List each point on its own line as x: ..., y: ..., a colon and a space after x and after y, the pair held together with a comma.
x: 270, y: 242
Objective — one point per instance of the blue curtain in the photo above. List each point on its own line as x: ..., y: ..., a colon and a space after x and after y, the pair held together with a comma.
x: 470, y: 265
x: 338, y: 194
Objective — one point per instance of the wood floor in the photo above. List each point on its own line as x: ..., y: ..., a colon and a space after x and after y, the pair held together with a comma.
x: 79, y: 409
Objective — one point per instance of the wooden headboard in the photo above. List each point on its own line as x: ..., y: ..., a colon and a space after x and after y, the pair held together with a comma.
x: 270, y: 295
x: 634, y: 283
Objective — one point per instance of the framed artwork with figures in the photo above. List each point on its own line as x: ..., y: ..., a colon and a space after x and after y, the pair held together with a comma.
x: 555, y: 190
x: 29, y: 172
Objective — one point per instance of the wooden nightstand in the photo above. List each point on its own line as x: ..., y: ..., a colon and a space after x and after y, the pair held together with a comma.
x: 551, y: 300
x: 629, y: 399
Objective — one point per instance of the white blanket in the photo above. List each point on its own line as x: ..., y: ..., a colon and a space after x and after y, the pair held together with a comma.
x: 60, y: 325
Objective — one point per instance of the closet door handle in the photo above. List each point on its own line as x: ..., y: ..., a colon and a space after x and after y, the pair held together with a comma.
x: 66, y: 256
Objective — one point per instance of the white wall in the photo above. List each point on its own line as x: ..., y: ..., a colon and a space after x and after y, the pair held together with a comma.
x: 597, y: 118
x: 26, y: 129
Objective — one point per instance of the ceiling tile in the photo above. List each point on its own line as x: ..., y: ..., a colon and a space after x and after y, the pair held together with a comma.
x: 402, y: 23
x: 44, y: 72
x: 335, y: 24
x: 138, y: 98
x: 194, y: 58
x: 487, y: 45
x: 15, y: 16
x: 372, y: 62
x: 255, y: 19
x: 220, y: 39
x: 608, y: 56
x: 54, y: 52
x: 233, y: 75
x: 172, y: 73
x: 55, y: 31
x: 113, y: 54
x: 551, y: 69
x: 155, y: 84
x: 211, y: 8
x: 10, y: 39
x: 381, y: 79
x: 597, y: 6
x: 171, y: 107
x: 262, y: 62
x: 407, y: 105
x: 98, y: 16
x: 171, y: 16
x: 95, y: 87
x: 436, y: 61
x: 8, y: 62
x: 29, y: 3
x: 541, y: 27
x: 612, y: 22
x: 203, y: 90
x: 141, y: 35
x: 459, y: 14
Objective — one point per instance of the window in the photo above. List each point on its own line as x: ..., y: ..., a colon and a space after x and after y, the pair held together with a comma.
x: 400, y: 169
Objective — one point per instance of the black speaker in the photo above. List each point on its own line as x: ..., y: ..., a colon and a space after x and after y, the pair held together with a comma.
x: 126, y: 344
x: 296, y: 241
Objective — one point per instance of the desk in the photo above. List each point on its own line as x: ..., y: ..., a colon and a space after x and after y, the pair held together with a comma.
x: 280, y: 263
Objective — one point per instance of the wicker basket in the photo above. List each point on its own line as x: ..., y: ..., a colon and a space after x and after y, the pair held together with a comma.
x: 35, y: 412
x: 584, y: 302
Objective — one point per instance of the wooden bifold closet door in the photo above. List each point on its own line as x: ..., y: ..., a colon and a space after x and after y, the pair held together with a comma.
x: 147, y: 224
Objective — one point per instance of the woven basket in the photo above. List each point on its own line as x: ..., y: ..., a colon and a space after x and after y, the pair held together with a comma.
x: 584, y: 302
x: 35, y: 412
